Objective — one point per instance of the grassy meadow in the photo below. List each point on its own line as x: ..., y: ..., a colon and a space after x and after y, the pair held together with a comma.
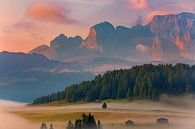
x: 143, y: 113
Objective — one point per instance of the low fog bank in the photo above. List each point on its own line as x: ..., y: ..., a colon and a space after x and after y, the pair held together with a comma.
x: 9, y: 105
x: 185, y: 104
x: 185, y: 101
x: 10, y: 121
x: 180, y: 111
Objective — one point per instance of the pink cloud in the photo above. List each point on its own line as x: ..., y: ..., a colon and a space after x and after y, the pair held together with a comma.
x: 153, y: 13
x: 50, y: 12
x: 157, y: 53
x: 142, y: 48
x: 24, y: 25
x: 139, y: 4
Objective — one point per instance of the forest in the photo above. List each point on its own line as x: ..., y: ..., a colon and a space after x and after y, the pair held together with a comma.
x: 146, y: 81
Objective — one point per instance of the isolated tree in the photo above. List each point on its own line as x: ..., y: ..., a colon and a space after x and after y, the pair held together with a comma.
x: 104, y: 106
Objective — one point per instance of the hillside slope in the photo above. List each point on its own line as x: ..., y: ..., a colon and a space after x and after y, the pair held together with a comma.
x: 140, y: 82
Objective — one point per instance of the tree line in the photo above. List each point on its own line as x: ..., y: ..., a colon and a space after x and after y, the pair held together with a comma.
x: 84, y: 122
x: 147, y: 81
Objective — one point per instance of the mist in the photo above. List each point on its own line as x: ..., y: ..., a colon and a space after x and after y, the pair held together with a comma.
x: 11, y: 121
x: 180, y: 111
x: 183, y: 104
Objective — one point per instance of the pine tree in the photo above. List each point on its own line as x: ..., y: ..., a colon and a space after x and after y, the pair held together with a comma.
x: 104, y: 106
x: 70, y: 125
x: 99, y: 126
x: 129, y: 93
x: 51, y: 126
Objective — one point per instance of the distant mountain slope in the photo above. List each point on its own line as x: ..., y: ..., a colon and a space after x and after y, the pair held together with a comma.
x: 25, y: 86
x: 140, y: 82
x: 166, y: 38
x: 99, y: 65
x: 42, y: 50
x: 20, y: 62
x: 26, y: 76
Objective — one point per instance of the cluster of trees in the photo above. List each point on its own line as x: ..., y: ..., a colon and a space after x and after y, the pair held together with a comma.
x: 44, y: 126
x: 60, y: 95
x: 140, y: 82
x: 86, y: 122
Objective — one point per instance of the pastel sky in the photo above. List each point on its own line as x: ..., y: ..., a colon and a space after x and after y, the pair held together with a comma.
x: 25, y: 24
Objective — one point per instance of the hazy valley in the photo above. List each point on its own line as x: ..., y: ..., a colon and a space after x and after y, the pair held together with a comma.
x: 143, y: 113
x: 125, y: 64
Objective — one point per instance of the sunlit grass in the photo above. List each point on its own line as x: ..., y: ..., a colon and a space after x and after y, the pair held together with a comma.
x: 105, y: 116
x: 119, y: 111
x: 60, y: 103
x: 65, y: 103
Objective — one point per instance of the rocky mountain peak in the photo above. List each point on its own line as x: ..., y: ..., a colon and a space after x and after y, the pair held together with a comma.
x: 90, y: 42
x: 165, y: 36
x: 172, y: 25
x: 57, y: 41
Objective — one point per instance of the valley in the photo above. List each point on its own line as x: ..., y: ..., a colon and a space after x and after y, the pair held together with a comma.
x: 143, y: 113
x: 97, y: 64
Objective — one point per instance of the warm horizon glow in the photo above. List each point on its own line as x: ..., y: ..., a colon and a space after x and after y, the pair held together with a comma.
x: 37, y: 22
x: 139, y: 4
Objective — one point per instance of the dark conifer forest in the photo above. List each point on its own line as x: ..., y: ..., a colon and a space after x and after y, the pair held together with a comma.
x: 147, y: 81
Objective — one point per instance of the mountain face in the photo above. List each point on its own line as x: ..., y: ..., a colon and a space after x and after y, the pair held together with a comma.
x: 176, y: 34
x: 119, y: 42
x: 165, y: 38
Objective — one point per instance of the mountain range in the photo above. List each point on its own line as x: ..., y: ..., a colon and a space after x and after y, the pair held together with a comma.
x: 166, y: 38
x: 68, y: 60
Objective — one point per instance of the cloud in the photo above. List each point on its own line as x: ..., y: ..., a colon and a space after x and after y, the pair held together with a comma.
x: 153, y: 13
x: 28, y: 27
x: 50, y: 12
x: 139, y: 4
x: 157, y: 52
x: 142, y: 48
x: 98, y: 3
x: 24, y: 25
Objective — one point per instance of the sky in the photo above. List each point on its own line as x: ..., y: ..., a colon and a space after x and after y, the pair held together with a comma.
x: 26, y: 24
